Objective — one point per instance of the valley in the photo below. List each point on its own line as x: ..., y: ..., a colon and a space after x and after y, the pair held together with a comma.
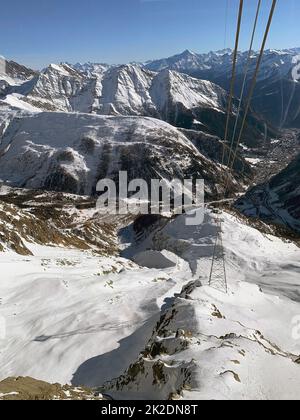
x: 121, y: 307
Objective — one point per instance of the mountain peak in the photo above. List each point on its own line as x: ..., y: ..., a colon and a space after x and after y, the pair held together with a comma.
x: 188, y: 53
x: 223, y: 52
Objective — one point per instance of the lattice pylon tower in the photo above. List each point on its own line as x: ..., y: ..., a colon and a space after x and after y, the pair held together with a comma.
x: 218, y: 275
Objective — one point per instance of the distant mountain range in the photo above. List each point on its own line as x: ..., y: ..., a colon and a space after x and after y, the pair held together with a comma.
x: 277, y: 96
x: 131, y: 305
x: 187, y: 91
x: 177, y: 98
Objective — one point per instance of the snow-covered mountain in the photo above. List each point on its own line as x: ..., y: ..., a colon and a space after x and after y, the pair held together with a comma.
x: 186, y: 60
x: 277, y: 201
x: 123, y: 302
x: 71, y: 152
x: 212, y: 147
x: 220, y: 62
x: 76, y: 317
x: 276, y: 97
x: 90, y: 69
x: 208, y: 345
x: 53, y: 89
x: 13, y: 75
x: 277, y: 94
x: 176, y: 98
x: 14, y: 71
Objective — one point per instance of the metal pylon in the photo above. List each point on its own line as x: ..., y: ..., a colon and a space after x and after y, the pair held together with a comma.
x: 218, y: 276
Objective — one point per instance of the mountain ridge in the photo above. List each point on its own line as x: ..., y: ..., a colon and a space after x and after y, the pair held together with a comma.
x: 97, y: 147
x: 176, y: 98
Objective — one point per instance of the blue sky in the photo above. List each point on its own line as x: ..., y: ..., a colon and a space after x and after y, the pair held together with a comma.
x: 37, y: 32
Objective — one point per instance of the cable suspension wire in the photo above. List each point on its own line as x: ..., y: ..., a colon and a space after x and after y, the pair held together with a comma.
x: 232, y: 83
x: 218, y: 276
x: 247, y: 67
x: 253, y: 84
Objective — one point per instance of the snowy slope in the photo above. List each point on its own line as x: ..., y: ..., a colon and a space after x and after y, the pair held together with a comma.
x: 91, y: 69
x: 72, y: 152
x: 136, y: 91
x: 56, y: 86
x: 179, y: 99
x: 209, y: 345
x: 190, y: 92
x: 13, y: 74
x: 85, y: 303
x: 18, y: 72
x: 188, y: 60
x: 125, y: 91
x: 199, y: 343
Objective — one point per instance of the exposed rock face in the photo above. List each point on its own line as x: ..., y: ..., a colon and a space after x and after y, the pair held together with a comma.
x: 32, y: 389
x: 43, y: 218
x: 179, y: 354
x: 13, y: 75
x: 17, y: 71
x: 54, y: 88
x: 205, y: 341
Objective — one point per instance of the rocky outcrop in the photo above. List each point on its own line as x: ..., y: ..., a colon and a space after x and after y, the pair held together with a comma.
x: 31, y: 389
x: 43, y: 218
